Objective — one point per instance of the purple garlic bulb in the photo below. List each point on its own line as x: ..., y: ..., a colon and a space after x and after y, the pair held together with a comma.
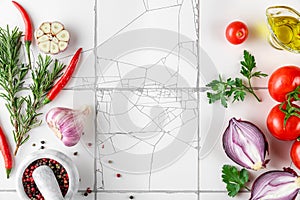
x: 67, y: 124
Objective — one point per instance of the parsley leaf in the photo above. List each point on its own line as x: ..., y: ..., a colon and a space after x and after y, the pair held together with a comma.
x: 235, y: 180
x: 224, y: 89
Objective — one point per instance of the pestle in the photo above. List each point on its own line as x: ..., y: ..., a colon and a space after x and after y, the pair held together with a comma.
x: 46, y: 182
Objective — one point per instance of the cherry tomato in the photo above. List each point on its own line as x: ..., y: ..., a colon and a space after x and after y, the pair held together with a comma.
x: 275, y: 124
x: 236, y: 32
x: 295, y: 153
x: 282, y: 81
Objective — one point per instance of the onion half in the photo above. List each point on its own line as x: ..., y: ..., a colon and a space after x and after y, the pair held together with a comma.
x: 276, y: 185
x: 245, y: 144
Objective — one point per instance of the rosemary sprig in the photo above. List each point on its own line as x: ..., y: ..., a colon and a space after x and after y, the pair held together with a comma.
x: 23, y: 109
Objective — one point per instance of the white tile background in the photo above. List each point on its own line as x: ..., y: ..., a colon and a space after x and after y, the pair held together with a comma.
x: 138, y: 72
x: 151, y: 121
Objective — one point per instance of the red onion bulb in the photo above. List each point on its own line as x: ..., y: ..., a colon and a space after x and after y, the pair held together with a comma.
x: 245, y: 144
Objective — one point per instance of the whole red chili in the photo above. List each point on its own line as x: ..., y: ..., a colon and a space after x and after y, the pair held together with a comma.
x: 61, y: 83
x: 28, y: 28
x: 6, y: 153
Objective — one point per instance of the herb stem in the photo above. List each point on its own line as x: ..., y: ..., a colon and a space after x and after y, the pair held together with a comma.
x: 251, y: 90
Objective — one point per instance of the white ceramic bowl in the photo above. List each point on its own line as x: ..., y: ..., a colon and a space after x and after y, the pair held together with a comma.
x: 63, y: 159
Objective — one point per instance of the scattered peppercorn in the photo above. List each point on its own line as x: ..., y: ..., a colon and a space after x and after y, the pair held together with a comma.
x: 42, y: 147
x: 43, y: 142
x: 89, y: 144
x: 88, y: 190
x: 85, y: 194
x: 131, y: 197
x: 110, y: 161
x: 75, y: 153
x: 33, y: 144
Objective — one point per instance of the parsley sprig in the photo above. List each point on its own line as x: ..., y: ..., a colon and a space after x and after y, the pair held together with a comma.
x: 235, y: 180
x: 224, y: 89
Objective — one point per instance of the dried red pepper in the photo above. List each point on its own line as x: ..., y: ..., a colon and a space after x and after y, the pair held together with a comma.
x: 28, y: 28
x: 6, y: 153
x: 61, y: 83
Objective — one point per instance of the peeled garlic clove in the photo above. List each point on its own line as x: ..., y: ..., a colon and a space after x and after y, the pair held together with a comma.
x: 56, y: 27
x: 44, y: 46
x: 62, y: 45
x: 245, y: 144
x: 43, y: 38
x: 46, y: 27
x: 67, y: 124
x: 39, y: 33
x: 63, y: 35
x: 276, y: 185
x: 54, y: 48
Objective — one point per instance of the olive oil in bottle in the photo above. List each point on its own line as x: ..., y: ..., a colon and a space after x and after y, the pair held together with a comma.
x: 285, y: 28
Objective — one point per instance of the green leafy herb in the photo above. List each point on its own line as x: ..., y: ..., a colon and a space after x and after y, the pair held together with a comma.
x: 23, y: 108
x: 224, y: 89
x: 235, y: 180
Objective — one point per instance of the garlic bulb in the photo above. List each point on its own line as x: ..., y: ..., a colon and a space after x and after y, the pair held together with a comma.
x: 52, y: 37
x: 67, y: 124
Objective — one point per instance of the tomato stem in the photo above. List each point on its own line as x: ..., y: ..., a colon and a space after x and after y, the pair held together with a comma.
x: 290, y: 109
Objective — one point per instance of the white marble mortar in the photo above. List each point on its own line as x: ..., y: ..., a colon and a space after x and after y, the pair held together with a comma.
x: 60, y: 157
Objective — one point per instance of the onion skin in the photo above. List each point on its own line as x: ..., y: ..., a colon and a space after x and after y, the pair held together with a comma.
x: 245, y: 144
x: 67, y: 124
x: 275, y: 185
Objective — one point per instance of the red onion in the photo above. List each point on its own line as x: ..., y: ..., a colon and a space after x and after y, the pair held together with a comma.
x: 276, y: 185
x: 245, y: 144
x: 67, y: 123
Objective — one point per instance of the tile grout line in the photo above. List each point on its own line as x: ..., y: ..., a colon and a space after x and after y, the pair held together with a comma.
x: 95, y: 96
x: 198, y: 100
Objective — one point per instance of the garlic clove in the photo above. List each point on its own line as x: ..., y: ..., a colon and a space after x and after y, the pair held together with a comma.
x: 44, y: 46
x: 54, y: 49
x: 62, y: 45
x: 63, y: 35
x: 39, y: 33
x: 46, y: 27
x: 43, y: 38
x: 56, y: 27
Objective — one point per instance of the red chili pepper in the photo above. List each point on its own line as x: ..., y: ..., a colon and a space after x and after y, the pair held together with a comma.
x: 5, y: 150
x: 28, y: 29
x: 61, y: 83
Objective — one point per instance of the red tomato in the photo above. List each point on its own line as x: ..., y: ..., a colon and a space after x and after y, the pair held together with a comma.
x: 275, y: 121
x: 236, y: 32
x: 283, y: 81
x: 295, y: 153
